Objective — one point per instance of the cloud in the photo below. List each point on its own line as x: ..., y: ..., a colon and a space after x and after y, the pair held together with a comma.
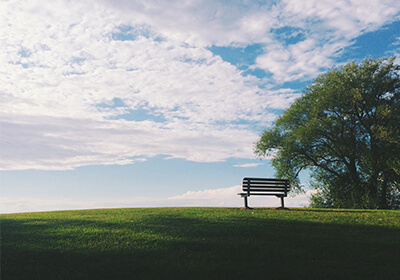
x: 208, y: 197
x: 219, y: 197
x: 327, y: 27
x: 301, y: 61
x: 201, y: 22
x: 248, y: 165
x: 109, y: 82
x: 64, y: 70
x: 62, y: 143
x: 227, y: 197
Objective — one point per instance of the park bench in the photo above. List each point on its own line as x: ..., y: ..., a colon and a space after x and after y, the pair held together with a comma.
x: 264, y: 186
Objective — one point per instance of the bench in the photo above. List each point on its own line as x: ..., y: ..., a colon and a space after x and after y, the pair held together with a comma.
x: 264, y: 186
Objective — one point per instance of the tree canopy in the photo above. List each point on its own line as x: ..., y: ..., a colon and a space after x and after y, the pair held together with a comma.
x: 344, y: 129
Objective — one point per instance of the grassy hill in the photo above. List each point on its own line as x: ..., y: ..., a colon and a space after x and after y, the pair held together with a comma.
x: 201, y: 243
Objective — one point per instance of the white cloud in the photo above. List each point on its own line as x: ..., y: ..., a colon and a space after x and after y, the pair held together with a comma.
x: 328, y: 27
x: 61, y: 143
x: 63, y: 66
x: 201, y: 22
x: 209, y: 197
x: 221, y: 197
x: 248, y: 165
x: 348, y: 17
x: 227, y: 197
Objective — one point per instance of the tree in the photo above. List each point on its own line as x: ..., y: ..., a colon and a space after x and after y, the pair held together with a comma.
x: 344, y: 129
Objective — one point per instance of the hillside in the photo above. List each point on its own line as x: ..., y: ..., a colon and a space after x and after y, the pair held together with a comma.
x: 201, y: 243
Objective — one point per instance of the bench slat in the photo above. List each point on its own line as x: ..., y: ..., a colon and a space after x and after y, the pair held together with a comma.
x: 264, y: 179
x: 272, y: 194
x: 265, y: 190
x: 265, y: 186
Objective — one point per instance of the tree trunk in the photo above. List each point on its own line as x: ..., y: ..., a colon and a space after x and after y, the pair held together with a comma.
x: 383, y: 196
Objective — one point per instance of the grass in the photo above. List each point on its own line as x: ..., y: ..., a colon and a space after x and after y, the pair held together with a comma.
x: 201, y: 243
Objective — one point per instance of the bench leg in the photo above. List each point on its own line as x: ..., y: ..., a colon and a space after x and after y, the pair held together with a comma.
x: 246, y: 205
x: 282, y: 202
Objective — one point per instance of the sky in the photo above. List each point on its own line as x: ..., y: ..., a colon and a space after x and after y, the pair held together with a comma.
x: 154, y: 103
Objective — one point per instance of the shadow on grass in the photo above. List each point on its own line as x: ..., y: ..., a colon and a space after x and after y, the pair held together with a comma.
x: 327, y: 210
x: 168, y: 246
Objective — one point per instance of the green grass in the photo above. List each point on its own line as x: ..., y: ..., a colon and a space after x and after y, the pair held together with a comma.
x: 201, y: 243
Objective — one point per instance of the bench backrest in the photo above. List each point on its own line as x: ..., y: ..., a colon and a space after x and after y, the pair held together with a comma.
x: 265, y: 186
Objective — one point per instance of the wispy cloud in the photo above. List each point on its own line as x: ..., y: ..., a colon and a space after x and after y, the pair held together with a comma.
x: 63, y: 143
x: 248, y: 165
x: 228, y: 197
x: 219, y: 197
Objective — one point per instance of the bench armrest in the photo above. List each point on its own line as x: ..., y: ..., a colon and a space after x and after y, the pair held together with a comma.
x: 243, y: 194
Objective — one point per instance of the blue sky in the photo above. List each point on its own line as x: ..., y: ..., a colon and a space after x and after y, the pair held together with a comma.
x: 114, y: 103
